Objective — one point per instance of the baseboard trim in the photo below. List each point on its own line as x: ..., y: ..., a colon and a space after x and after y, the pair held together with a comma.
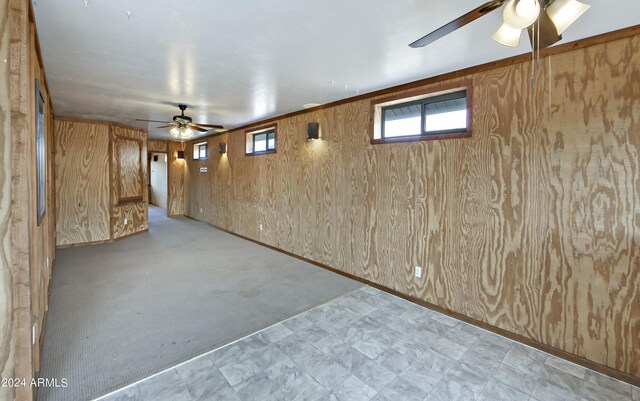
x: 605, y: 370
x: 107, y: 241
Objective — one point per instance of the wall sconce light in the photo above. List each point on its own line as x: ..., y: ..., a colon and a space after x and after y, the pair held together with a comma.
x: 181, y: 154
x: 313, y: 131
x: 222, y: 147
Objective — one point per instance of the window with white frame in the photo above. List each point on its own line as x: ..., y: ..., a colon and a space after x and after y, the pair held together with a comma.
x: 200, y: 151
x: 261, y: 141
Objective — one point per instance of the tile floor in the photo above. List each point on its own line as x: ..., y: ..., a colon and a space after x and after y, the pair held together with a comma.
x: 370, y: 345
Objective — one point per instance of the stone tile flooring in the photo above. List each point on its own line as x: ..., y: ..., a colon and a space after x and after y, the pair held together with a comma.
x: 370, y: 345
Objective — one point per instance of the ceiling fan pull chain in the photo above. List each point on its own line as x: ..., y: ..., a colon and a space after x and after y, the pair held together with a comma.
x: 539, y: 62
x: 533, y: 60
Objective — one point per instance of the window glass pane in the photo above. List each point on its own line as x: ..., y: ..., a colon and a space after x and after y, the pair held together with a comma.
x: 203, y: 151
x: 260, y: 142
x: 448, y: 113
x: 196, y: 154
x: 271, y: 142
x: 402, y: 120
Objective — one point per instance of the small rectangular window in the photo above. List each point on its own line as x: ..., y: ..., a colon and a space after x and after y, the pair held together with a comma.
x: 200, y: 151
x: 261, y: 141
x: 420, y: 117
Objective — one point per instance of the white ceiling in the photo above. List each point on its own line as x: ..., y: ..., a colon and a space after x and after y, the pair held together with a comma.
x: 240, y: 61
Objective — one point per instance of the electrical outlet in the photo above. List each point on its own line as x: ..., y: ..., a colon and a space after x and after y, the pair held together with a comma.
x: 418, y: 272
x: 200, y: 210
x: 261, y: 227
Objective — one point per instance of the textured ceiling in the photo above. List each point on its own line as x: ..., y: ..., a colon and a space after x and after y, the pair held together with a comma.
x: 234, y: 62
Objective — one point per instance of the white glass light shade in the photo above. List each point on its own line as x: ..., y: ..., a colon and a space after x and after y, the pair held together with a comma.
x: 508, y: 36
x: 187, y: 133
x: 181, y: 132
x: 563, y: 13
x: 520, y: 14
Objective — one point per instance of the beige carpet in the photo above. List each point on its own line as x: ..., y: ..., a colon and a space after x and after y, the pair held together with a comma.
x: 120, y: 312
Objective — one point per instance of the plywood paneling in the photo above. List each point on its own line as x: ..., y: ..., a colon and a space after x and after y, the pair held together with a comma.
x: 177, y: 171
x: 158, y: 146
x: 7, y: 357
x: 591, y: 274
x: 531, y: 225
x: 82, y: 182
x: 128, y: 169
x: 129, y: 214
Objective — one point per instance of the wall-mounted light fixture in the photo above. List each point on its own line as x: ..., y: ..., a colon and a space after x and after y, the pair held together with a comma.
x: 181, y: 154
x: 313, y: 131
x: 222, y: 148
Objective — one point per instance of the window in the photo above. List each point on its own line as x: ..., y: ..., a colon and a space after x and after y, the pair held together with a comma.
x: 200, y: 151
x: 261, y: 141
x: 423, y: 117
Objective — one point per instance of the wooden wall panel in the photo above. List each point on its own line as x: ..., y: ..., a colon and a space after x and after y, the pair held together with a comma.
x: 7, y: 356
x: 129, y: 194
x: 531, y: 225
x: 591, y: 278
x: 26, y: 243
x: 128, y: 161
x: 158, y: 146
x: 82, y: 183
x: 177, y: 172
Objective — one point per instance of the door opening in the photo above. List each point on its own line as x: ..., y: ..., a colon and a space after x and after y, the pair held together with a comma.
x: 158, y: 185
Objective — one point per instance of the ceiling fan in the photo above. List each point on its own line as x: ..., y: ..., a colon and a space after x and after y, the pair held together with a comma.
x: 183, y: 126
x: 553, y: 18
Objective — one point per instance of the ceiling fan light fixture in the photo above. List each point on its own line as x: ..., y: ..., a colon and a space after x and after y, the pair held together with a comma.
x: 508, y: 35
x: 187, y: 133
x: 563, y: 13
x: 181, y: 132
x: 521, y: 14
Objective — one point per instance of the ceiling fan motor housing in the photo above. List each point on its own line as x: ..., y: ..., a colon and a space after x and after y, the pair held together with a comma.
x: 182, y: 120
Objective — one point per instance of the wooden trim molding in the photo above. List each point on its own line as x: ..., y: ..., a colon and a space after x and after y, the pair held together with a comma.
x: 616, y: 374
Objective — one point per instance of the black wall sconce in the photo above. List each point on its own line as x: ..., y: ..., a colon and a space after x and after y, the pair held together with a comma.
x: 181, y: 154
x: 222, y: 148
x: 313, y: 131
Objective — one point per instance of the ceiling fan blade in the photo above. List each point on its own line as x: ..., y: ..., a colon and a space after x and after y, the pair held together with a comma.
x: 153, y: 121
x: 458, y: 23
x: 210, y: 126
x: 548, y: 32
x: 166, y: 126
x: 195, y: 127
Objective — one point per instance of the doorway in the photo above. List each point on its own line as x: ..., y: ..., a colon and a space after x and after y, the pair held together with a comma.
x: 158, y: 177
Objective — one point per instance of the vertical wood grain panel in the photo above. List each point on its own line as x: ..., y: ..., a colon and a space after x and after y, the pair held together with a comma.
x: 7, y: 357
x: 21, y: 363
x: 157, y: 146
x: 530, y: 225
x: 135, y: 210
x: 82, y: 183
x: 591, y: 279
x: 128, y: 165
x: 177, y: 172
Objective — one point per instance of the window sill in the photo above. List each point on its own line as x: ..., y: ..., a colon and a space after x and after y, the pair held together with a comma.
x: 266, y: 152
x: 420, y: 138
